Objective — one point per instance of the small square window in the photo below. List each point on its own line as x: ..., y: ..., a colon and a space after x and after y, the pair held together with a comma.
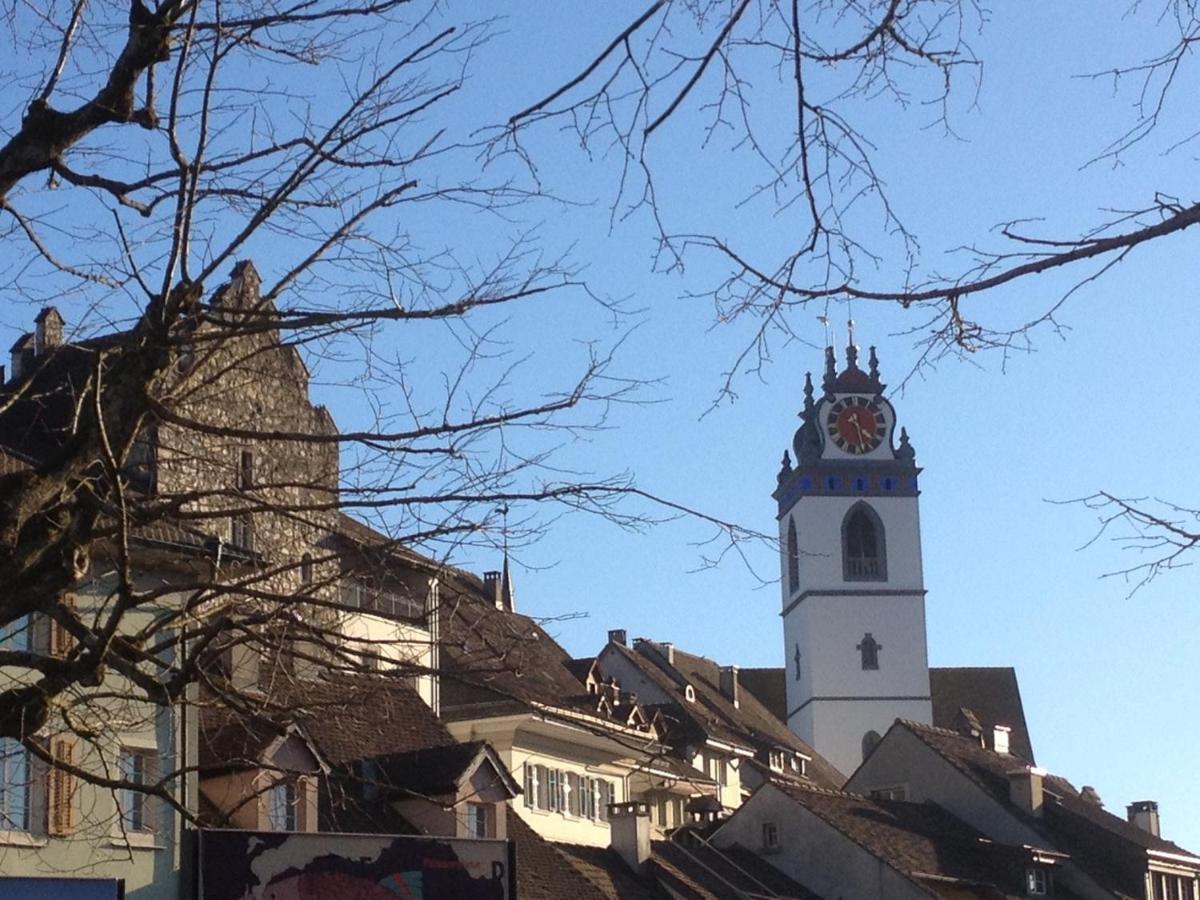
x: 833, y: 483
x: 1036, y: 882
x: 860, y: 484
x: 477, y: 820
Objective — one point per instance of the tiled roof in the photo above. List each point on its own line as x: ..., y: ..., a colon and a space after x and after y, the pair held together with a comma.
x: 346, y: 718
x: 436, y: 771
x: 769, y: 686
x: 1108, y: 847
x: 544, y: 872
x: 498, y: 658
x: 727, y: 873
x: 991, y: 693
x: 920, y: 840
x: 749, y: 724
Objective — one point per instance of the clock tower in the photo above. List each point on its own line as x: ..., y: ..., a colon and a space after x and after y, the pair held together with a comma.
x: 853, y: 591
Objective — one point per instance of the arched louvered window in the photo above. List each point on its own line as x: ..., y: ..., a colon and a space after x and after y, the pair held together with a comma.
x: 864, y: 557
x: 793, y: 558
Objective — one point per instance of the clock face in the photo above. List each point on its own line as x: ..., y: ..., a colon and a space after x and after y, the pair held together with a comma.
x: 856, y: 424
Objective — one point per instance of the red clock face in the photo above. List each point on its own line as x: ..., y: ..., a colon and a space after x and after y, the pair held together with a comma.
x: 856, y: 424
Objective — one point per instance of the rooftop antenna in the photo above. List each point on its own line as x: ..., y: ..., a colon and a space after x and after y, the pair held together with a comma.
x: 824, y: 320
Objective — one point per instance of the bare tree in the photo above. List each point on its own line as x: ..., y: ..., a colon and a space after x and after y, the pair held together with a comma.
x: 788, y: 88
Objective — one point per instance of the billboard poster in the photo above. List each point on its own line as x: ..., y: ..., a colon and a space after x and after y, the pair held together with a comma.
x: 259, y: 865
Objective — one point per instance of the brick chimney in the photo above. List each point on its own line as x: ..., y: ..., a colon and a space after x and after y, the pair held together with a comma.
x: 1025, y: 789
x: 729, y: 684
x: 617, y: 636
x: 48, y: 331
x: 630, y: 830
x: 1144, y: 814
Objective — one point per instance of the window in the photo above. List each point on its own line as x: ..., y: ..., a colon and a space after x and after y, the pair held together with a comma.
x: 1173, y: 887
x: 16, y: 635
x: 283, y: 807
x: 796, y: 659
x: 135, y: 767
x: 14, y: 786
x: 893, y: 792
x: 245, y: 474
x: 869, y: 648
x: 770, y: 836
x: 241, y: 531
x: 1036, y: 882
x: 141, y: 463
x: 306, y: 569
x: 863, y: 557
x: 775, y: 760
x: 869, y: 741
x: 568, y: 793
x: 793, y: 558
x: 477, y: 820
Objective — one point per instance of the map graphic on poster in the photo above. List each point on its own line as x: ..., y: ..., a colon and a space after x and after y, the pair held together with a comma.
x: 251, y: 865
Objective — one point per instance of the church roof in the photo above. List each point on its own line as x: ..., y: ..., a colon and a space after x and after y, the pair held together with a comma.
x: 991, y: 693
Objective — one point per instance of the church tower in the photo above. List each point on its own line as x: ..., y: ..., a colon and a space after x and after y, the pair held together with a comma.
x: 853, y: 591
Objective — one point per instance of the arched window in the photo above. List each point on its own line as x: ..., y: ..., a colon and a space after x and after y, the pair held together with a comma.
x: 869, y: 742
x: 863, y: 553
x: 306, y: 569
x: 793, y: 558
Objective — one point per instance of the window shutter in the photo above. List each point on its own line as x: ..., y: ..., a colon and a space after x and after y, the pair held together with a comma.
x: 61, y: 641
x: 60, y: 794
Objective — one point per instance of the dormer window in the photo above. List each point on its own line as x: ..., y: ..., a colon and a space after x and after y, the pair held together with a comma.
x: 775, y: 758
x: 283, y: 807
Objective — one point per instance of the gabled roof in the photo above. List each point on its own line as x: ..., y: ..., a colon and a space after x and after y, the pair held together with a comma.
x: 920, y: 840
x: 346, y: 718
x: 1110, y: 849
x: 438, y: 771
x: 750, y: 724
x: 547, y: 871
x: 991, y: 693
x: 726, y: 872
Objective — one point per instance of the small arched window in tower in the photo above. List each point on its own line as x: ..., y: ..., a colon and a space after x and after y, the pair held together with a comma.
x: 796, y: 659
x: 793, y: 558
x: 306, y: 569
x: 869, y: 648
x: 870, y: 740
x: 863, y: 556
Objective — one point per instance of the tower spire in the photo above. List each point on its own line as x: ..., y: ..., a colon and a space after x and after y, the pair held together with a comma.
x: 506, y: 588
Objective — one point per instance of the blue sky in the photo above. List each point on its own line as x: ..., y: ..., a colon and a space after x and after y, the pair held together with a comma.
x: 1107, y: 403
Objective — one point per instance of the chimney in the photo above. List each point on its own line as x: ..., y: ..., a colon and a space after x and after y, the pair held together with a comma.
x: 48, y: 331
x: 1000, y: 735
x: 22, y: 355
x: 1144, y: 814
x: 629, y: 825
x: 1025, y: 789
x: 668, y: 650
x: 617, y: 636
x: 495, y: 588
x: 729, y: 684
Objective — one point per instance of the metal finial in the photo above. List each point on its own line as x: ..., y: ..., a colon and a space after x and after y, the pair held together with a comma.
x: 830, y: 370
x: 809, y: 405
x: 850, y: 332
